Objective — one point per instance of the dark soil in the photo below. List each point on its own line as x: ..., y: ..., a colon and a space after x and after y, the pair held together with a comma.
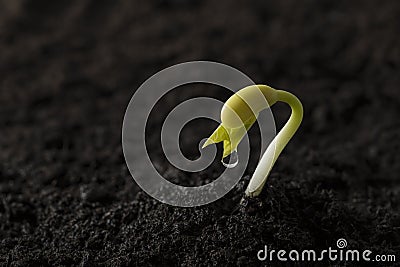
x: 69, y: 68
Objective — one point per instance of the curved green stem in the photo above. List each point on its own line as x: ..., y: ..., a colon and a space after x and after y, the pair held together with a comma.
x: 273, y: 151
x: 240, y: 112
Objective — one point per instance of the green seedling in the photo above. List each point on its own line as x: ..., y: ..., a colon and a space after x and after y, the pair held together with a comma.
x: 240, y: 112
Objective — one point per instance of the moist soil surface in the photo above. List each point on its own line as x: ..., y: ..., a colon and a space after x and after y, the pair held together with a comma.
x: 69, y: 68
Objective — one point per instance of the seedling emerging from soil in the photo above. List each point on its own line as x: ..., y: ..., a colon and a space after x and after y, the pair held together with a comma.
x: 240, y: 112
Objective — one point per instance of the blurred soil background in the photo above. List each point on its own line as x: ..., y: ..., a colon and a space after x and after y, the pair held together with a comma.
x: 69, y: 68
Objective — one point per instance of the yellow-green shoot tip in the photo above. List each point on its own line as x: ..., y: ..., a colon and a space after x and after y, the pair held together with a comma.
x: 230, y: 136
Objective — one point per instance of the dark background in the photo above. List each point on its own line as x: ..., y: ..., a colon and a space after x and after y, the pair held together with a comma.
x: 69, y: 68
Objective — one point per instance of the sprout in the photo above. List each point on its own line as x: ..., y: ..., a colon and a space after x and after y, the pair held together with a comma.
x: 240, y: 112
